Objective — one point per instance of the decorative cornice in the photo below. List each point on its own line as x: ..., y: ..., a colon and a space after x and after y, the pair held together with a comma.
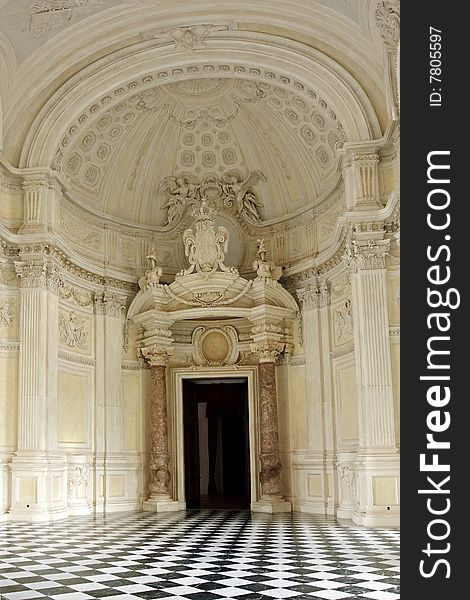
x: 9, y: 346
x: 343, y: 349
x: 132, y: 365
x: 76, y: 358
x: 297, y: 360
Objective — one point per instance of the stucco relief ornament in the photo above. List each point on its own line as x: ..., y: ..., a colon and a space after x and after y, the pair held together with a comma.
x: 265, y: 269
x: 72, y: 330
x: 344, y: 322
x: 206, y: 248
x: 6, y: 318
x: 192, y: 38
x: 78, y: 477
x: 387, y: 16
x: 152, y: 274
x: 240, y: 192
x: 178, y: 193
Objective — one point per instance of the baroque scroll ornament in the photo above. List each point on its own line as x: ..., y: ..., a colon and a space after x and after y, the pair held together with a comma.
x: 229, y: 191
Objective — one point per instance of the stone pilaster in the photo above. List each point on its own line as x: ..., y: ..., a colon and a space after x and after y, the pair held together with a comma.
x: 41, y: 200
x: 111, y: 469
x: 160, y: 477
x: 38, y: 469
x: 329, y: 436
x: 361, y: 178
x: 387, y: 19
x: 377, y: 463
x: 314, y: 298
x: 268, y: 344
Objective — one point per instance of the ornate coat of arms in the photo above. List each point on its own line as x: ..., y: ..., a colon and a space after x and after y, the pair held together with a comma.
x: 206, y: 248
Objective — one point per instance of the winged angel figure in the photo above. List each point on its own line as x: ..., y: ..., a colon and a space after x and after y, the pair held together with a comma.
x: 241, y: 192
x: 177, y: 193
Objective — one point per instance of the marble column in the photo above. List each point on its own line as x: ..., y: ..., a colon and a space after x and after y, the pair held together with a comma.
x: 271, y: 499
x: 377, y: 463
x: 160, y: 477
x: 269, y: 439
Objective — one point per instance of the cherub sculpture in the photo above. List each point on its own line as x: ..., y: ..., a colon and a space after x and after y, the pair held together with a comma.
x: 243, y: 194
x: 177, y: 193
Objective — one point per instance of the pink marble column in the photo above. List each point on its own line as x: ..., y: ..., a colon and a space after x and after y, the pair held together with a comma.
x: 159, y: 455
x: 269, y: 432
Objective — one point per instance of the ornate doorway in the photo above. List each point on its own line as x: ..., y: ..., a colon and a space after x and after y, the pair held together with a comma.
x: 211, y: 322
x: 216, y: 443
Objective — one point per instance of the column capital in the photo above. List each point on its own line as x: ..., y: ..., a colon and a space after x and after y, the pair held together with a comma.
x: 366, y: 255
x: 157, y: 355
x: 267, y: 351
x: 269, y: 340
x: 109, y: 304
x: 315, y: 295
x: 308, y: 297
x: 32, y: 273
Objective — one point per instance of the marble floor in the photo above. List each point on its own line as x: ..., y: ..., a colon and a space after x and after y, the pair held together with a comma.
x: 200, y: 554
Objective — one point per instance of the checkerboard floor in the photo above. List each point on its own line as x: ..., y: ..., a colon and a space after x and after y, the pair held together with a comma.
x: 194, y: 555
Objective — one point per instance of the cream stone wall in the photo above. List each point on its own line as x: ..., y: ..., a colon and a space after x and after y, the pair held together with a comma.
x: 74, y: 409
x: 11, y: 207
x: 132, y: 410
x: 346, y: 401
x: 8, y: 407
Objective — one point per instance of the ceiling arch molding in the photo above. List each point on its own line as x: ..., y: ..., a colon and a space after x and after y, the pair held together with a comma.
x: 260, y: 57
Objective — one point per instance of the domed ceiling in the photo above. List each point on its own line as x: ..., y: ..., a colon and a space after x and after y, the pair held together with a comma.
x: 117, y: 155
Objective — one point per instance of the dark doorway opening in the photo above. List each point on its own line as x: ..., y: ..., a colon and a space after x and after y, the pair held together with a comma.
x: 216, y: 443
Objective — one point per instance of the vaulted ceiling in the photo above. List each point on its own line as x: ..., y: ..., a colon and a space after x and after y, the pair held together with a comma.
x: 117, y: 95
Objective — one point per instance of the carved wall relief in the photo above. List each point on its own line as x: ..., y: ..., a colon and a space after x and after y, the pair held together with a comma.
x: 348, y: 481
x: 7, y: 317
x: 230, y: 191
x: 343, y: 323
x: 74, y: 331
